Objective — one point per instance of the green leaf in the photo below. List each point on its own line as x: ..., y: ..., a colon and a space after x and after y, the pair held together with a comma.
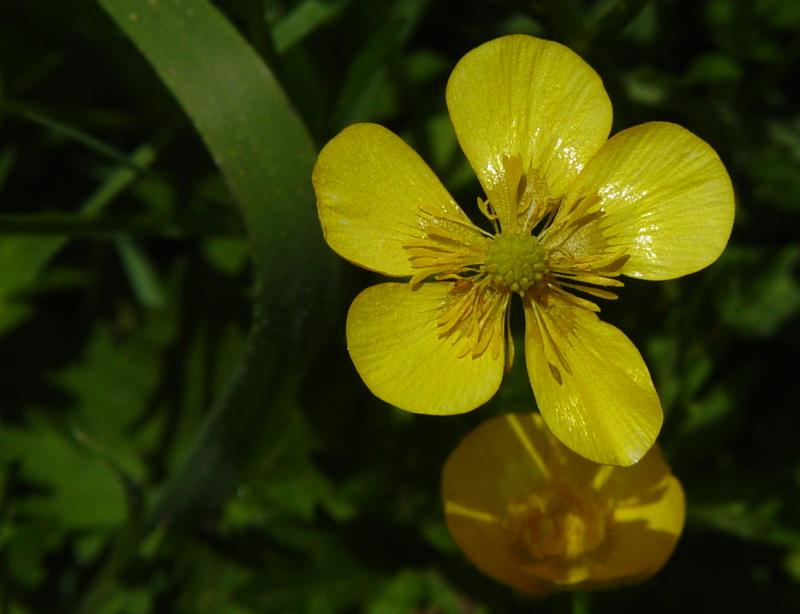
x: 756, y: 504
x: 266, y: 156
x: 757, y: 521
x: 23, y: 257
x: 72, y: 133
x: 772, y: 165
x: 415, y: 590
x: 303, y: 19
x: 140, y: 272
x: 249, y: 126
x: 311, y: 570
x: 288, y: 480
x: 610, y: 25
x: 109, y: 396
x: 212, y: 582
x: 367, y: 75
x: 80, y: 490
x: 761, y: 290
x: 713, y: 68
x: 25, y: 545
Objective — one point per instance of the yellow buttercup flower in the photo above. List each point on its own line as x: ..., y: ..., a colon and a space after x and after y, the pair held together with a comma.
x: 571, y: 211
x: 532, y: 514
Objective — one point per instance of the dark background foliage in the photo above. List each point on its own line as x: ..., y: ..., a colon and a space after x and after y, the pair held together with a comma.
x: 155, y: 456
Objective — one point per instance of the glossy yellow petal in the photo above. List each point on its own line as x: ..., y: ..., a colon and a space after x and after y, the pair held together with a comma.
x: 666, y: 198
x: 394, y: 338
x: 375, y: 196
x: 522, y: 100
x: 591, y: 384
x: 648, y: 512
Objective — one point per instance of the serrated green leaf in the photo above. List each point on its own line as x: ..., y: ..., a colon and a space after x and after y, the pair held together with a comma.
x: 108, y: 395
x: 288, y: 480
x: 79, y: 491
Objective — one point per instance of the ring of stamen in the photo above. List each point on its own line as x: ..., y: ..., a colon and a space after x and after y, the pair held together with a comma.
x: 515, y: 261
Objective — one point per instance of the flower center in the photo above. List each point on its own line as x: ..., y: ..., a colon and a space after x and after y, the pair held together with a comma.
x: 515, y: 261
x: 561, y: 523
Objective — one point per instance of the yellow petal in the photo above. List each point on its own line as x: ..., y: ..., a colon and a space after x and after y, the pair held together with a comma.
x: 590, y: 382
x: 510, y: 487
x: 519, y: 99
x: 393, y: 335
x: 486, y: 544
x: 375, y: 195
x: 667, y: 202
x: 648, y: 512
x: 501, y: 461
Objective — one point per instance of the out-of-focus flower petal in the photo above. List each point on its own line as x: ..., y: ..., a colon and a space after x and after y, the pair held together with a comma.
x: 503, y: 460
x: 646, y: 521
x: 532, y: 514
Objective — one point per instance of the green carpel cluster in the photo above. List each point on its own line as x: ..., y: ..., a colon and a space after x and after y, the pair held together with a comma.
x: 515, y: 261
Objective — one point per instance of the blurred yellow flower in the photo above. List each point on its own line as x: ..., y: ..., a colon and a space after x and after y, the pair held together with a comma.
x: 571, y: 212
x: 532, y: 514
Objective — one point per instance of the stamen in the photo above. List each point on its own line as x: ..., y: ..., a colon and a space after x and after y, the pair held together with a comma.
x: 575, y: 300
x: 598, y: 292
x: 552, y: 350
x: 473, y: 317
x: 520, y: 200
x: 450, y: 246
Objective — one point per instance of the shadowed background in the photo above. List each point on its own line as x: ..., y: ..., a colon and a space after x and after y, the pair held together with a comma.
x: 181, y: 428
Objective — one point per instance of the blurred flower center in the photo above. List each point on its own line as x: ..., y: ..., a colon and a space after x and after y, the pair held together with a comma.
x: 561, y: 522
x: 515, y: 261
